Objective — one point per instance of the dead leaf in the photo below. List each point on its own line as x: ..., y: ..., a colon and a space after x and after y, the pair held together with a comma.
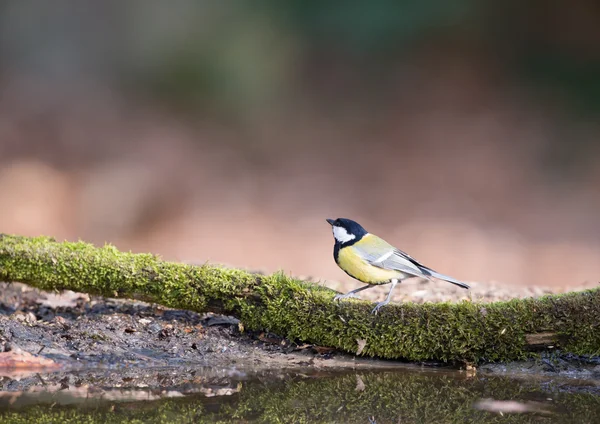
x: 304, y: 346
x: 360, y: 385
x: 361, y: 346
x: 322, y: 350
x: 25, y: 360
x: 470, y: 370
x: 267, y: 339
x: 66, y: 299
x: 511, y: 406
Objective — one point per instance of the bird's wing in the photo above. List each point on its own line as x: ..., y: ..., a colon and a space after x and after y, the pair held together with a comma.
x: 381, y: 254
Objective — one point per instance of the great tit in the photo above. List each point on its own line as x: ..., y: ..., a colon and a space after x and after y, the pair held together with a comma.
x: 374, y: 261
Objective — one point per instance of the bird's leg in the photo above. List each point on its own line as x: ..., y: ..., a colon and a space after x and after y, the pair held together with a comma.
x: 351, y: 293
x: 387, y: 299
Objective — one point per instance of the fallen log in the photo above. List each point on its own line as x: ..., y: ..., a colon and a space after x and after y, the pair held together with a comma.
x: 465, y: 331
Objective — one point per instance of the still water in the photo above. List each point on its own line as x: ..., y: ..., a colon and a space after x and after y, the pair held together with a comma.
x: 187, y: 395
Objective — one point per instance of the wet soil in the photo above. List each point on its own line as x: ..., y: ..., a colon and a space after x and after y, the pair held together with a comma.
x: 78, y: 331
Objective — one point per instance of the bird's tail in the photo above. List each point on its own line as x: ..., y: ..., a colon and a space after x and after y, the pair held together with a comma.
x: 448, y: 279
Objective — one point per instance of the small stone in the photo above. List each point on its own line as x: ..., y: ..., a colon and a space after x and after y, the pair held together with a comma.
x: 361, y: 345
x: 154, y: 328
x: 30, y: 318
x: 19, y: 316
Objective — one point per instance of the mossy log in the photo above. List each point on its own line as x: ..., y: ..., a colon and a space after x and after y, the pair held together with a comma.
x: 302, y: 311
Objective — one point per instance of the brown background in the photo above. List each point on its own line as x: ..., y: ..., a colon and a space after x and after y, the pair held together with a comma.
x: 465, y: 134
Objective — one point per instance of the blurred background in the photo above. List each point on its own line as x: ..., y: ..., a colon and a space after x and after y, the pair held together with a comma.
x: 465, y: 132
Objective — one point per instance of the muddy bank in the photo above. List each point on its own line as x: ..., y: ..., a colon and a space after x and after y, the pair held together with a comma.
x: 80, y: 331
x: 74, y: 331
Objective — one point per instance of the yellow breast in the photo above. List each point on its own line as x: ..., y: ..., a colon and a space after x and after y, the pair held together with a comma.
x: 358, y: 268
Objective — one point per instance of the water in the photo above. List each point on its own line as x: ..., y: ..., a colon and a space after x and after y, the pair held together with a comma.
x: 186, y: 395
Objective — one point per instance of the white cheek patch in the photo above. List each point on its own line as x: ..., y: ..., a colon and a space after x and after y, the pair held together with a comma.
x: 341, y: 235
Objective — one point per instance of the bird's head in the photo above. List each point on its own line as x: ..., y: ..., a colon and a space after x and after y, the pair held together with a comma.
x: 346, y: 231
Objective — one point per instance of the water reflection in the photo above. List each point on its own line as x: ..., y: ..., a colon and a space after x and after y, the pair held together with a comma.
x: 294, y: 396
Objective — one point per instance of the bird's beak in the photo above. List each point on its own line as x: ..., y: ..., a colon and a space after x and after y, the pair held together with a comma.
x: 330, y: 221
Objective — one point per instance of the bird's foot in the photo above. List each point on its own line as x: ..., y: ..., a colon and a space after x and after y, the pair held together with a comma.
x: 378, y: 306
x: 344, y: 296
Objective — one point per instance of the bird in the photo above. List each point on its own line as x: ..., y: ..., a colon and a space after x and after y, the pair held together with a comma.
x: 372, y: 260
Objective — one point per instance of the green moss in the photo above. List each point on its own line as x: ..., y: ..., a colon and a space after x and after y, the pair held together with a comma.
x: 126, y: 412
x: 463, y: 331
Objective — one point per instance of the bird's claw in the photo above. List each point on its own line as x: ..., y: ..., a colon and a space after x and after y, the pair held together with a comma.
x: 339, y: 297
x: 378, y: 306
